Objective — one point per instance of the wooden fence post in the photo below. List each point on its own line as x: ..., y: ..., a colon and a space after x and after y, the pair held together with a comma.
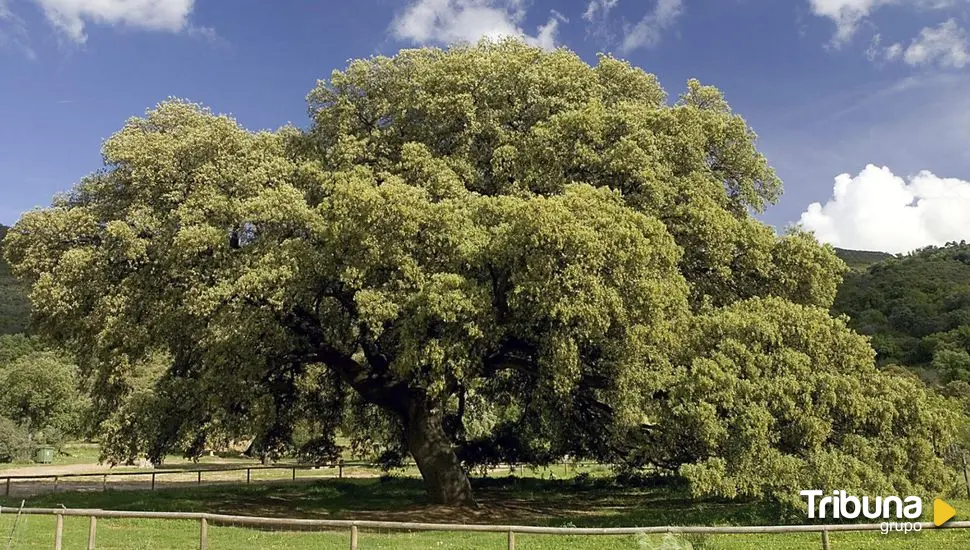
x: 199, y: 482
x: 511, y: 539
x: 92, y: 532
x: 353, y: 537
x: 825, y: 540
x: 7, y: 492
x: 248, y: 470
x: 966, y: 479
x: 55, y: 483
x: 59, y: 532
x: 294, y: 473
x: 203, y: 534
x: 104, y: 483
x: 153, y: 481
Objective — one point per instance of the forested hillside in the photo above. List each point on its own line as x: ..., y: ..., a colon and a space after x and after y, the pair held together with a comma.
x: 861, y: 259
x: 13, y: 300
x: 916, y: 308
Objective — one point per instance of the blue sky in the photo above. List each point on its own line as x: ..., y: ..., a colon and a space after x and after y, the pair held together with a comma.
x: 831, y: 86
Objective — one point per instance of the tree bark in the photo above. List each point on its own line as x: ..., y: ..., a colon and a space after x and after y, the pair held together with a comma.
x: 444, y: 478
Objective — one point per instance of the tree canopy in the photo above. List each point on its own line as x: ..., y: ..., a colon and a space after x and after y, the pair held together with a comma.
x: 14, y: 306
x: 41, y: 393
x: 41, y: 401
x: 484, y: 253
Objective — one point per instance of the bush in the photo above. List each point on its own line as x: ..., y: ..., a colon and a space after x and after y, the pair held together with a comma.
x: 41, y: 391
x: 14, y: 443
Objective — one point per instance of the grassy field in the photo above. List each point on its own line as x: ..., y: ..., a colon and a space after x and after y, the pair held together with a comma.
x: 225, y: 469
x: 530, y: 501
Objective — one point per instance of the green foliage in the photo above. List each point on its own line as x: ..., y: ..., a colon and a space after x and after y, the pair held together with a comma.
x: 41, y: 394
x: 493, y: 249
x: 15, y: 346
x: 14, y: 441
x: 778, y: 397
x: 916, y: 308
x: 14, y: 307
x: 859, y: 260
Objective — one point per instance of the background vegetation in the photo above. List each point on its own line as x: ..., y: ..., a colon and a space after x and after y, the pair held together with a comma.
x: 916, y: 309
x: 14, y: 305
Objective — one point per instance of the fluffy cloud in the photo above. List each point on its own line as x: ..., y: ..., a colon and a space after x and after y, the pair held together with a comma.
x: 650, y: 29
x: 645, y: 33
x: 946, y: 44
x: 450, y: 21
x: 877, y: 210
x: 848, y: 14
x: 71, y: 16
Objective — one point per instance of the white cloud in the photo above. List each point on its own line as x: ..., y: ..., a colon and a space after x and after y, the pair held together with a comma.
x: 893, y: 52
x: 650, y: 29
x: 946, y: 44
x: 71, y: 16
x: 872, y: 52
x: 451, y: 21
x: 646, y: 33
x: 877, y: 210
x: 598, y: 9
x: 848, y: 14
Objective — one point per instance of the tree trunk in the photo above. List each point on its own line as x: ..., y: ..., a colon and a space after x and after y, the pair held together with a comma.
x: 444, y: 478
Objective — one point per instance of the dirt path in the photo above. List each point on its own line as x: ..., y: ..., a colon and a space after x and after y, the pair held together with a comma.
x: 104, y: 477
x: 61, y: 469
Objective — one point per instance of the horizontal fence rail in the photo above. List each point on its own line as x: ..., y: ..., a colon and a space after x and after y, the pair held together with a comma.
x: 7, y: 480
x: 149, y: 472
x: 205, y: 519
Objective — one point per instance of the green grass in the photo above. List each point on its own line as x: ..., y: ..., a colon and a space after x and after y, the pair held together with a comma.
x: 527, y: 501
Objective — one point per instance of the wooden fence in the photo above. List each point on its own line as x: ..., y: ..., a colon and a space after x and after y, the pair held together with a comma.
x: 154, y: 474
x: 206, y: 519
x: 338, y: 467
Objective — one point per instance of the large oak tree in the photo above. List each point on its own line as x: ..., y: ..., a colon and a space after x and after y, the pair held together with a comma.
x: 487, y: 252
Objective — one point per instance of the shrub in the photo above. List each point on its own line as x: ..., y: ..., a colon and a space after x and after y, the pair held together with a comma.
x: 14, y: 442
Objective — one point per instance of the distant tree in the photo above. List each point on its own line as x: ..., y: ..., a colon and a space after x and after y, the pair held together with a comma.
x: 15, y: 346
x: 490, y: 251
x: 14, y: 441
x: 40, y: 392
x: 14, y: 307
x: 952, y: 364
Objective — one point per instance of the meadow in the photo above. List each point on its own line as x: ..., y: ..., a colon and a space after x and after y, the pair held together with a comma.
x: 585, y: 501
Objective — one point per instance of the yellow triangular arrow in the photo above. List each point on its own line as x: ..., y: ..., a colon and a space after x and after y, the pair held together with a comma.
x: 942, y: 512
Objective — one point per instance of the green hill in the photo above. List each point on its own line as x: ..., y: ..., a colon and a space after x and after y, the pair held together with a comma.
x: 861, y: 259
x: 14, y: 306
x: 915, y: 307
